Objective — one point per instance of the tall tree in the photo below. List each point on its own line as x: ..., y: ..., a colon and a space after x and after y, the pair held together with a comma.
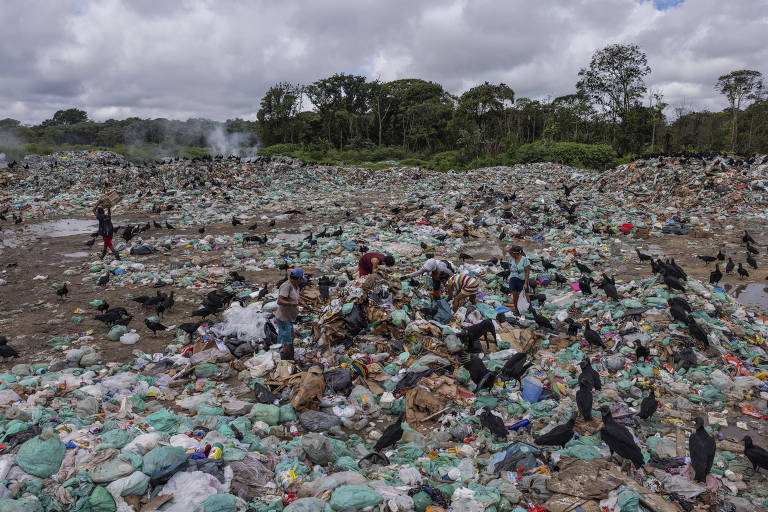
x: 279, y: 107
x: 487, y: 107
x: 67, y: 117
x: 382, y: 104
x: 738, y: 86
x: 342, y: 102
x: 615, y: 79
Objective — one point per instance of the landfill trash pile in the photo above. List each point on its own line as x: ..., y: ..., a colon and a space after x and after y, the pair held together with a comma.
x: 627, y: 378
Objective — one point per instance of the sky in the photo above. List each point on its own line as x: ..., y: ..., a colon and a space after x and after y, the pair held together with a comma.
x: 215, y: 58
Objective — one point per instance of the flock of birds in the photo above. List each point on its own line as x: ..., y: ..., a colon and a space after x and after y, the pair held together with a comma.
x: 214, y: 303
x: 717, y: 275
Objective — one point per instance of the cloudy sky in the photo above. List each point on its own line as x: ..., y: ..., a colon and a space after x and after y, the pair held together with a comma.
x: 215, y: 58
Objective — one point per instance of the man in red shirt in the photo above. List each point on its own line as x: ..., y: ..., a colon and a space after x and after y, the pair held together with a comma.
x: 370, y: 261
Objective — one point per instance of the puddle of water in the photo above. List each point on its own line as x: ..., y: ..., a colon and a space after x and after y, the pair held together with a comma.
x: 288, y: 237
x: 62, y: 227
x: 79, y: 254
x: 50, y: 229
x: 753, y: 294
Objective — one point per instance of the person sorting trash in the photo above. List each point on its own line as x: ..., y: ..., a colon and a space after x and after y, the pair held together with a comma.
x: 462, y: 287
x: 106, y: 230
x: 287, y: 311
x: 519, y: 271
x: 370, y: 261
x: 439, y: 271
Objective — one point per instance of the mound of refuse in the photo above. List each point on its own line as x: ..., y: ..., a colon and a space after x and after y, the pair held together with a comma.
x: 619, y: 381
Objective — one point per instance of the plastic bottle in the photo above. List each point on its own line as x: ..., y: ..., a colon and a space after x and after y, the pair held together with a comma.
x: 520, y: 424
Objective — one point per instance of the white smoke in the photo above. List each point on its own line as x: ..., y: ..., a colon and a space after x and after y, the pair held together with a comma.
x: 222, y: 142
x: 3, y: 161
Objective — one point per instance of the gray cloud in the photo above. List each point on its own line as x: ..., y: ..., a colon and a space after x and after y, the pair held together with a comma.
x: 206, y: 58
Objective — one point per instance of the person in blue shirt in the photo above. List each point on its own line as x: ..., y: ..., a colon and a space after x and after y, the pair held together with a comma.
x: 519, y: 272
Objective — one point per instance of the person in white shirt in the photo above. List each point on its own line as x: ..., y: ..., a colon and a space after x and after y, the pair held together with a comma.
x: 439, y: 271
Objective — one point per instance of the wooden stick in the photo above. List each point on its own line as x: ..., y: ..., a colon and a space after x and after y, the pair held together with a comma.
x: 438, y: 412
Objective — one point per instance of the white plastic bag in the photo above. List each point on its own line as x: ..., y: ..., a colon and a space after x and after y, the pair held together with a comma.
x: 189, y: 489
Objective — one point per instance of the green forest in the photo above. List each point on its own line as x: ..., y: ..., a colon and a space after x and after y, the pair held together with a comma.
x: 612, y: 116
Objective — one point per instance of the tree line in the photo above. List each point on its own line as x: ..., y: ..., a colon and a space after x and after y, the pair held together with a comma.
x: 611, y: 113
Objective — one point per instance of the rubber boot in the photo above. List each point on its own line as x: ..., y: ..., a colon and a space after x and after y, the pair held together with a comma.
x: 103, y: 253
x: 116, y: 254
x: 286, y: 352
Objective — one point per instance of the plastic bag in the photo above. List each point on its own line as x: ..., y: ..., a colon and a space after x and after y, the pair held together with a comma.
x: 116, y: 332
x: 355, y: 497
x: 463, y: 500
x: 31, y: 504
x: 330, y: 482
x: 134, y: 484
x: 111, y: 470
x: 162, y: 421
x: 355, y: 321
x: 338, y: 380
x: 189, y: 489
x: 41, y: 456
x: 115, y: 438
x: 101, y: 501
x: 143, y: 443
x: 163, y: 461
x: 269, y: 414
x: 308, y: 505
x: 444, y: 313
x: 129, y: 338
x: 263, y: 394
x: 218, y: 503
x: 318, y: 448
x: 316, y: 421
x: 287, y: 413
x: 250, y: 476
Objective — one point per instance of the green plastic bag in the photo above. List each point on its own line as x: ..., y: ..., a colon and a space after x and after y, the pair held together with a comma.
x: 209, y: 410
x: 218, y: 503
x: 20, y: 505
x: 399, y: 318
x: 287, y: 413
x: 116, y: 331
x: 116, y: 438
x: 163, y: 460
x: 268, y: 413
x: 628, y: 500
x: 101, y: 501
x: 206, y: 370
x: 41, y: 458
x: 162, y: 421
x: 308, y: 505
x: 421, y: 501
x: 354, y: 496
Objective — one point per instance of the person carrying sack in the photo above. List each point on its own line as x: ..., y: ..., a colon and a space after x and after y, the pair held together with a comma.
x: 106, y: 230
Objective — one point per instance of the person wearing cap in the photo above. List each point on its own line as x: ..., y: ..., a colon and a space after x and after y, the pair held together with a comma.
x: 463, y: 287
x: 370, y: 261
x: 519, y: 272
x: 288, y: 310
x: 439, y: 271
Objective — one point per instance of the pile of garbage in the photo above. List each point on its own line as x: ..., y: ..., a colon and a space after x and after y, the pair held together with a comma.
x: 395, y: 400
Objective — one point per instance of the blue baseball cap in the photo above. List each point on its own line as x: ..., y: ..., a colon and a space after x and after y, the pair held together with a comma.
x: 298, y: 273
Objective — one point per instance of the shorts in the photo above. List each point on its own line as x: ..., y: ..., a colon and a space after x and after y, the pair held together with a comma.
x: 284, y: 332
x: 516, y: 284
x: 436, y: 283
x: 107, y: 242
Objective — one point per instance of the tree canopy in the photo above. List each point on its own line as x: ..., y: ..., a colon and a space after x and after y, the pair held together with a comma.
x: 347, y: 116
